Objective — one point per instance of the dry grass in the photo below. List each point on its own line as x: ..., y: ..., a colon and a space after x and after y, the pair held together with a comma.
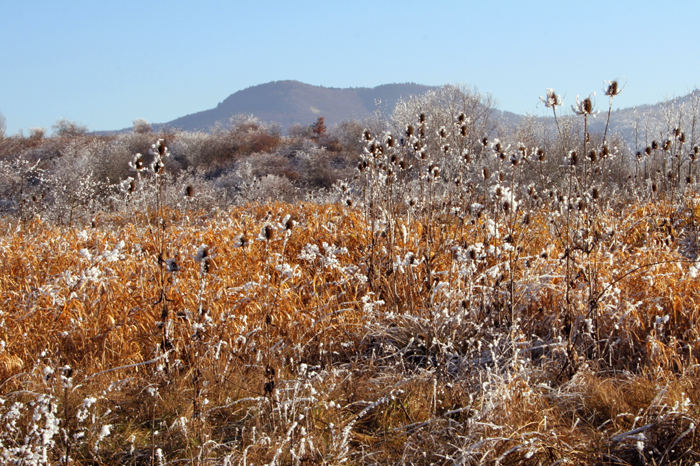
x: 272, y: 357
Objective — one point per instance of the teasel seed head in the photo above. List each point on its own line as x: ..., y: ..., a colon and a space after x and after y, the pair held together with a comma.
x: 667, y: 145
x: 647, y: 150
x: 613, y: 89
x: 595, y: 194
x: 681, y: 138
x: 593, y: 156
x: 268, y: 232
x: 466, y: 156
x: 462, y: 117
x: 189, y: 191
x: 485, y: 141
x: 573, y: 158
x: 161, y: 147
x: 409, y: 131
x: 241, y: 241
x: 442, y: 132
x: 486, y: 173
x: 421, y: 117
x: 654, y: 144
x: 367, y: 135
x: 587, y: 105
x: 540, y: 155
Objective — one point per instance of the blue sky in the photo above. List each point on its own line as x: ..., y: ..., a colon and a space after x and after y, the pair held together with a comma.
x: 105, y: 63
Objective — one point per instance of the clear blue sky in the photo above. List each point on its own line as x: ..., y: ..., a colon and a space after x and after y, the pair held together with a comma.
x: 105, y: 63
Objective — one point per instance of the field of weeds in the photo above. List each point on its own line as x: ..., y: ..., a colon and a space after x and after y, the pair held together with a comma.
x: 457, y: 303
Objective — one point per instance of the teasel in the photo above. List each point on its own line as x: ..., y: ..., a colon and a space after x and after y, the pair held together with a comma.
x: 667, y: 145
x: 367, y: 135
x: 613, y: 89
x: 485, y: 172
x: 466, y: 157
x: 241, y: 241
x: 540, y: 155
x: 461, y: 118
x: 583, y: 107
x: 189, y: 191
x: 268, y: 232
x: 203, y: 258
x: 161, y: 148
x: 409, y: 131
x: 593, y: 156
x: 573, y: 158
x: 442, y: 132
x: 421, y: 117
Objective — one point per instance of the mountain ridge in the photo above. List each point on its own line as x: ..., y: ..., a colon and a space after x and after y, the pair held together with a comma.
x: 287, y: 103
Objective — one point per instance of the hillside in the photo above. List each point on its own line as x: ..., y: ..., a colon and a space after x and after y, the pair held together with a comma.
x: 287, y: 103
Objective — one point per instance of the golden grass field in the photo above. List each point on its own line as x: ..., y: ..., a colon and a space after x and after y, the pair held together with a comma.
x: 274, y: 348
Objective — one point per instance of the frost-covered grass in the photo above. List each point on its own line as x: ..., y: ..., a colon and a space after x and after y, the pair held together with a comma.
x: 284, y: 351
x: 460, y: 300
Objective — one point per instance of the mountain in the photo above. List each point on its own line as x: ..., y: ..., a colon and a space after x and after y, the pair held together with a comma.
x: 287, y: 103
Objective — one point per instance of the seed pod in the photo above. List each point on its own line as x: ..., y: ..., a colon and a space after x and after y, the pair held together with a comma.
x: 587, y: 106
x: 573, y: 158
x: 540, y: 155
x: 189, y: 191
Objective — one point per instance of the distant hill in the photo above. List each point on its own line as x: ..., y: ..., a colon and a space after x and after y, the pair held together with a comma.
x: 287, y: 103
